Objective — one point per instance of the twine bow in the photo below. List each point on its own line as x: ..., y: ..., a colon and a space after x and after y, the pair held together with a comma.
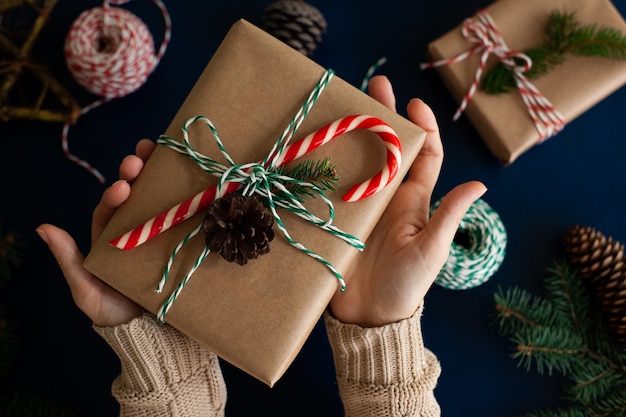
x: 483, y: 31
x: 260, y: 178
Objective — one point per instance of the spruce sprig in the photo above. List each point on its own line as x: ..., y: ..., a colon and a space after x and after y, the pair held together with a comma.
x: 321, y: 173
x: 564, y: 35
x: 562, y: 331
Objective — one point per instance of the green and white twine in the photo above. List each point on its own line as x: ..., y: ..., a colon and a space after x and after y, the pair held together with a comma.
x: 257, y: 178
x: 477, y: 250
x: 370, y: 73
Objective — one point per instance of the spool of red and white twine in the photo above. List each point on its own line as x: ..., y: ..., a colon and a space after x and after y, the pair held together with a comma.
x: 110, y: 52
x: 483, y: 31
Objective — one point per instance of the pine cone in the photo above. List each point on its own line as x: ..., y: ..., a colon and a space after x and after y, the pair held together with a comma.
x: 600, y: 260
x: 296, y: 23
x: 238, y: 228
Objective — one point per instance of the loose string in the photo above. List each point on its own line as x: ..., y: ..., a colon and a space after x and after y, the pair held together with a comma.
x: 483, y: 31
x: 110, y: 52
x: 370, y: 72
x: 257, y: 178
x: 478, y: 249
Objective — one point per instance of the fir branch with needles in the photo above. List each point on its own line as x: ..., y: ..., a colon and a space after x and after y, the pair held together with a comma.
x: 321, y: 173
x: 562, y: 332
x: 564, y: 35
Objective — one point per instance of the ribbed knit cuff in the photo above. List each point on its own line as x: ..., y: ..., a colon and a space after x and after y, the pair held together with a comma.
x: 384, y: 370
x: 163, y: 371
x: 397, y: 347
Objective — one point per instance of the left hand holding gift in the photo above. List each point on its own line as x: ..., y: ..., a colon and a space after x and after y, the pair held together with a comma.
x: 105, y: 306
x: 406, y: 250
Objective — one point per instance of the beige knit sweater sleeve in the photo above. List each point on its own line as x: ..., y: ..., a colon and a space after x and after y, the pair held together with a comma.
x: 164, y: 373
x: 382, y: 371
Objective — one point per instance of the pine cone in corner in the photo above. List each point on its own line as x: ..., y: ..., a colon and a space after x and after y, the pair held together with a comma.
x: 238, y: 228
x: 600, y: 260
x: 296, y: 23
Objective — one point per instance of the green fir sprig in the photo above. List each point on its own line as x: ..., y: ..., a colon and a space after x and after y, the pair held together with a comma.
x: 564, y: 36
x: 321, y: 173
x: 562, y: 332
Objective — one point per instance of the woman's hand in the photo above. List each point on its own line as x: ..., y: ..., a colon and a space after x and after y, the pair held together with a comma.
x: 406, y: 249
x: 101, y: 303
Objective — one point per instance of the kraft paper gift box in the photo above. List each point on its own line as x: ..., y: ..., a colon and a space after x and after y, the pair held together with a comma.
x: 502, y: 120
x: 256, y: 316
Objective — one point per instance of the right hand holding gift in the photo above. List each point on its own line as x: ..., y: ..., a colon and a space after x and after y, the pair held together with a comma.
x: 406, y: 249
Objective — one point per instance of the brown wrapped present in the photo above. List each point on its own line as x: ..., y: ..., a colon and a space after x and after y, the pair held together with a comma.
x: 503, y: 121
x: 255, y: 316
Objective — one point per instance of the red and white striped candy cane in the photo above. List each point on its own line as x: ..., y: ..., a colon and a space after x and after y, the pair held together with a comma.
x: 202, y: 200
x: 483, y: 31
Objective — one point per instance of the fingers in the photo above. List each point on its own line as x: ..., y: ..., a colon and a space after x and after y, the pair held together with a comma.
x: 427, y: 165
x: 132, y: 165
x: 380, y: 89
x: 130, y: 168
x: 111, y: 199
x: 445, y: 221
x: 116, y: 194
x: 425, y: 169
x: 144, y: 149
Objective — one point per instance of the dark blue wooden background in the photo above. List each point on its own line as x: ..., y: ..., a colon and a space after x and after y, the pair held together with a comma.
x: 578, y: 177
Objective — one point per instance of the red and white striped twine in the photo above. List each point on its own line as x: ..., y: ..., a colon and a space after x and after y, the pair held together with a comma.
x: 110, y: 52
x: 482, y: 31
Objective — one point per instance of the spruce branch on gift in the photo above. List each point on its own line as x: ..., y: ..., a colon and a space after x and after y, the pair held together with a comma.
x: 564, y: 36
x: 563, y: 332
x: 322, y: 174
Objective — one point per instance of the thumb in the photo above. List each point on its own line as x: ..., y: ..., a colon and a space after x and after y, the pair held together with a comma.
x: 445, y: 221
x: 67, y: 255
x: 101, y: 303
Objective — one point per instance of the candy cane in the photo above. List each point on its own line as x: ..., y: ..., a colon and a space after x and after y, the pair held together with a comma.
x: 203, y: 199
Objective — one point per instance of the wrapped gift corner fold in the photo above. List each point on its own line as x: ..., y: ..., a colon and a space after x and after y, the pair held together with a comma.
x: 257, y: 316
x: 503, y: 121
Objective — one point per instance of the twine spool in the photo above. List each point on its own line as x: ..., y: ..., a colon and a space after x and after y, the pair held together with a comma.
x: 110, y: 52
x: 478, y: 248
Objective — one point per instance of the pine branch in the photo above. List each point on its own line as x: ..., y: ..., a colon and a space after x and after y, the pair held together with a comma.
x: 559, y: 412
x: 322, y: 174
x: 551, y: 348
x: 564, y: 36
x: 594, y: 381
x: 567, y: 293
x: 562, y: 331
x: 518, y: 309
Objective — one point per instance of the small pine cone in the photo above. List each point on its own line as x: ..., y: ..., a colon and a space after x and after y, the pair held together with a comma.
x: 238, y: 228
x: 596, y: 256
x: 296, y: 23
x: 600, y: 260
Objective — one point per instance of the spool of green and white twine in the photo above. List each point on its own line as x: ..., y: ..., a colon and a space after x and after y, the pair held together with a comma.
x: 478, y: 248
